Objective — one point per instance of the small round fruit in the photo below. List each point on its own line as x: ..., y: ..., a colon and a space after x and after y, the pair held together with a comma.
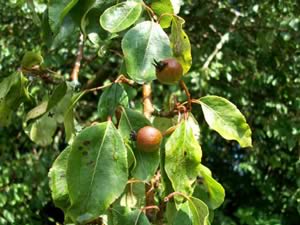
x: 168, y: 71
x: 148, y: 139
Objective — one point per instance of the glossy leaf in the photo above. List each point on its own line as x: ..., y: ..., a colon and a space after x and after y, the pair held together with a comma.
x: 224, y: 117
x: 120, y: 16
x: 180, y: 44
x: 194, y: 125
x: 164, y: 10
x: 91, y: 10
x: 58, y: 9
x: 199, y: 210
x: 141, y: 45
x: 146, y: 163
x: 110, y: 99
x: 96, y: 172
x: 216, y: 192
x: 66, y: 29
x: 58, y: 180
x: 183, y: 157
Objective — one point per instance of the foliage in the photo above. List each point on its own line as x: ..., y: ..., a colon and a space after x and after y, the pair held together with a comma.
x: 255, y: 66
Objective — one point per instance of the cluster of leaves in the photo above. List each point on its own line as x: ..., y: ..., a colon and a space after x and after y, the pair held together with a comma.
x: 257, y: 68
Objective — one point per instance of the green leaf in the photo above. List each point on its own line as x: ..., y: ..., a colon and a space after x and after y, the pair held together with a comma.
x: 46, y: 106
x: 69, y: 116
x: 180, y: 44
x: 120, y: 16
x: 223, y: 117
x: 37, y: 111
x: 58, y: 93
x: 35, y: 17
x: 5, y: 114
x: 146, y: 162
x: 41, y: 130
x: 97, y: 171
x: 31, y: 59
x: 199, y: 210
x: 126, y: 216
x: 141, y: 45
x: 216, y: 192
x: 183, y: 215
x: 90, y: 11
x: 58, y: 9
x: 58, y: 180
x: 13, y: 95
x: 164, y: 10
x: 65, y: 30
x: 110, y: 99
x: 7, y: 83
x: 192, y: 212
x: 183, y: 158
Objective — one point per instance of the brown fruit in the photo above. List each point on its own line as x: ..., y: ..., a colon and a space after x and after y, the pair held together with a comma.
x: 168, y: 71
x: 148, y: 139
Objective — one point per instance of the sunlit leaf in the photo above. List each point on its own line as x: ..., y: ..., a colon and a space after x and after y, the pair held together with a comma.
x: 224, y: 117
x: 41, y: 130
x: 120, y: 16
x: 141, y: 45
x: 215, y: 191
x: 199, y: 210
x: 183, y: 157
x: 180, y: 44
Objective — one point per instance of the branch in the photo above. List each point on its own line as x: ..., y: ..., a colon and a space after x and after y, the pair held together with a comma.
x: 188, y: 95
x: 224, y: 39
x: 148, y: 108
x: 76, y: 68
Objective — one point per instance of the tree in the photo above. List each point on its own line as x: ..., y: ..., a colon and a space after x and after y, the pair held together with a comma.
x: 244, y: 51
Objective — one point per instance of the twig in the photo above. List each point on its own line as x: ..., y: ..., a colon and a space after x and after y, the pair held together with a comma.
x: 224, y: 39
x: 150, y: 12
x: 148, y: 108
x: 166, y: 199
x: 97, y: 88
x: 169, y: 114
x: 150, y: 207
x: 47, y: 75
x: 76, y: 68
x: 188, y: 95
